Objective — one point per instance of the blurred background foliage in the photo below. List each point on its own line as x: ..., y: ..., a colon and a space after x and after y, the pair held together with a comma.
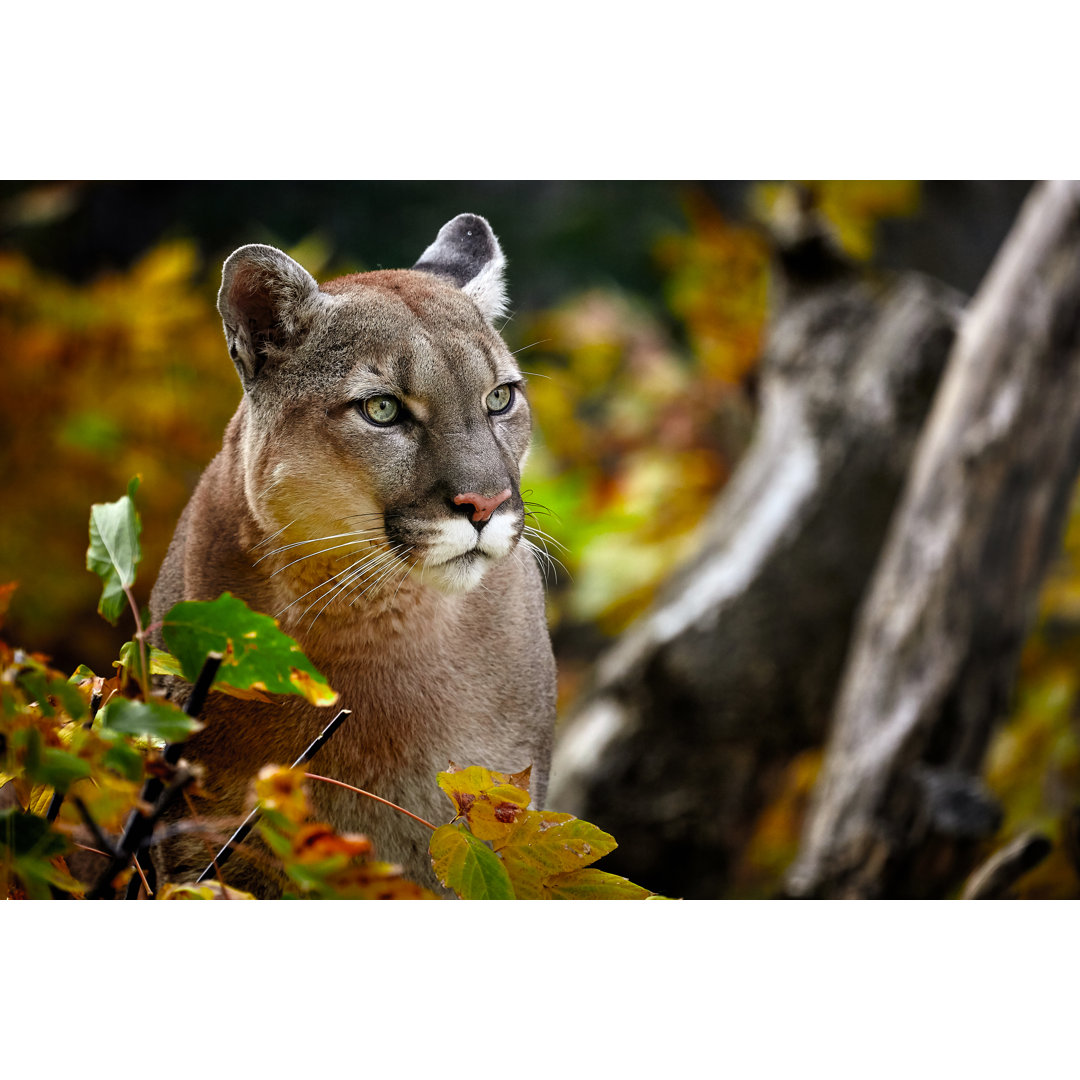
x: 639, y: 310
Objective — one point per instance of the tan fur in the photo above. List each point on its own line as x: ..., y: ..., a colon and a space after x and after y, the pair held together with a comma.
x: 438, y: 663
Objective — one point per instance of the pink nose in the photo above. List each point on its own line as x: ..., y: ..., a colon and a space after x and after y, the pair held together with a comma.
x: 484, y: 505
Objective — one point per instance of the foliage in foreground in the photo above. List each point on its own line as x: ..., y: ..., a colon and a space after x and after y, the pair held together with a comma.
x: 90, y: 756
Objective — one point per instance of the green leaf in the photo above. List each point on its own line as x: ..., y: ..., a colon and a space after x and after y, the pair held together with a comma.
x: 35, y: 689
x: 257, y: 653
x: 467, y: 865
x: 68, y: 697
x: 58, y: 769
x: 124, y: 760
x: 114, y: 550
x: 592, y: 884
x: 27, y: 835
x: 163, y: 663
x: 153, y: 719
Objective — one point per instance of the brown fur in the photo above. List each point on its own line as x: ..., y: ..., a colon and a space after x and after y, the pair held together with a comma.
x: 436, y: 665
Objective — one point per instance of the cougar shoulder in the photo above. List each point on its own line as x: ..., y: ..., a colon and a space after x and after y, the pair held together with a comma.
x: 367, y: 496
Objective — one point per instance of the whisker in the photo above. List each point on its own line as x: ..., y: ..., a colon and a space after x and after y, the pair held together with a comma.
x: 529, y: 346
x: 323, y: 551
x: 532, y: 507
x: 545, y: 558
x: 405, y: 573
x: 366, y: 570
x: 392, y: 569
x: 272, y: 535
x: 315, y: 540
x: 331, y: 578
x: 539, y: 533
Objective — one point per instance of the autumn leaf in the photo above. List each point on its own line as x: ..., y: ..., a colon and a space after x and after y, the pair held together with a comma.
x: 545, y: 845
x: 282, y: 790
x: 210, y: 890
x: 491, y: 802
x: 497, y: 843
x: 592, y: 884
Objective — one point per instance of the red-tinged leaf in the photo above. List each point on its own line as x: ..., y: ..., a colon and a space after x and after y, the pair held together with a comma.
x: 366, y: 880
x: 467, y: 865
x: 316, y: 842
x: 282, y: 790
x: 489, y: 801
x: 592, y: 884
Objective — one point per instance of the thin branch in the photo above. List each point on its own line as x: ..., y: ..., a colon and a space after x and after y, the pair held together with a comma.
x: 100, y: 838
x: 377, y: 798
x: 138, y: 828
x: 248, y: 823
x: 142, y: 877
x: 153, y: 788
x: 140, y: 637
x: 1004, y: 868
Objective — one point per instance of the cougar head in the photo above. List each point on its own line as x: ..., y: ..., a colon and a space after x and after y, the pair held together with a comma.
x: 387, y: 422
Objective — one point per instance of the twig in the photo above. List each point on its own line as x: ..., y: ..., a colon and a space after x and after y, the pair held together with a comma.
x: 139, y: 827
x: 100, y: 838
x: 377, y: 798
x: 142, y: 877
x: 249, y: 822
x: 1004, y: 868
x: 58, y: 796
x: 173, y: 752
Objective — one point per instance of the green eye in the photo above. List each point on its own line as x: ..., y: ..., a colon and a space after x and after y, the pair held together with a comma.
x: 500, y: 398
x: 381, y: 409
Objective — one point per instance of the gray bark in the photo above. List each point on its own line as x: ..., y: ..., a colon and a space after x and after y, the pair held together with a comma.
x: 697, y: 709
x: 898, y: 810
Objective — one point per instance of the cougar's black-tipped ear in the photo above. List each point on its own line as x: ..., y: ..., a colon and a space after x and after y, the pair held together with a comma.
x: 265, y: 301
x: 466, y: 252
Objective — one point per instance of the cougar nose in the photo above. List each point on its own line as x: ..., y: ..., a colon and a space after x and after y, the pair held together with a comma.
x: 483, y: 505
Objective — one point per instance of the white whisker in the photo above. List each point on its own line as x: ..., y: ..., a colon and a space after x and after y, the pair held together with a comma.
x: 315, y: 540
x: 272, y: 535
x: 323, y: 551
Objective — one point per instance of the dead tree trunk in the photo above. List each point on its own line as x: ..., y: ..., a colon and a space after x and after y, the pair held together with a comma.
x: 898, y: 807
x: 698, y: 708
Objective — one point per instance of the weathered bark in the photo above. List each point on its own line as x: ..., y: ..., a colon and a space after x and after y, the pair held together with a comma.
x: 696, y: 710
x: 898, y: 809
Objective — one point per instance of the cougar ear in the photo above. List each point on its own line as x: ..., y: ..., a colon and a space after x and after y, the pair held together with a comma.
x: 264, y: 300
x: 466, y: 252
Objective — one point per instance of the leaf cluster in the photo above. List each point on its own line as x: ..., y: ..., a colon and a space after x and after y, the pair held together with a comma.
x: 322, y: 864
x: 496, y: 848
x: 103, y: 755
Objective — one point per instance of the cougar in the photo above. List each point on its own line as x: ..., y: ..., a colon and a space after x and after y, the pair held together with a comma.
x: 367, y: 497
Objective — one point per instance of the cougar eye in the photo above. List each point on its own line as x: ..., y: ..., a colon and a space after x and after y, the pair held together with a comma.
x: 500, y: 398
x: 381, y: 409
